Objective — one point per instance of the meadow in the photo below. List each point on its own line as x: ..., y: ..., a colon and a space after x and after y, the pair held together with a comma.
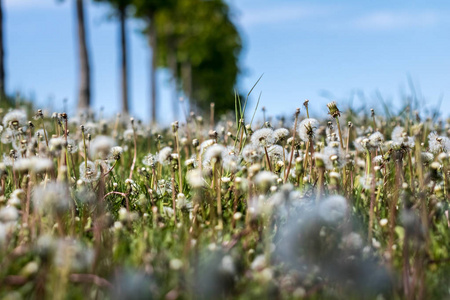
x: 349, y: 206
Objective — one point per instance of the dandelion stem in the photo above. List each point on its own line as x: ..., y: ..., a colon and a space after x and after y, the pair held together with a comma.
x: 135, y: 149
x: 174, y: 204
x: 297, y: 113
x: 268, y: 159
x: 180, y: 177
x: 84, y: 148
x: 340, y: 133
x: 45, y: 132
x: 219, y: 196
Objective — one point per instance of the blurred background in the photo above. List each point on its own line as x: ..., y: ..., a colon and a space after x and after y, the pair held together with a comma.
x: 358, y: 53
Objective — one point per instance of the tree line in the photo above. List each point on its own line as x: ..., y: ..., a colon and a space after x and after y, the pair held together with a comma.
x: 195, y: 39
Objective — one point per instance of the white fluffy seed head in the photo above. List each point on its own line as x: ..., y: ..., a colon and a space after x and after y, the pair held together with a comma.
x: 307, y: 129
x: 263, y: 137
x: 164, y: 155
x: 15, y: 119
x: 101, y: 146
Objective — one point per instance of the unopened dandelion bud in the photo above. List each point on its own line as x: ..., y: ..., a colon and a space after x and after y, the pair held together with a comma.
x: 213, y: 134
x: 123, y: 214
x: 435, y: 165
x: 253, y: 169
x: 195, y: 142
x: 237, y: 216
x: 442, y: 156
x: 175, y: 126
x: 319, y: 160
x: 335, y: 175
x: 189, y: 162
x: 306, y: 103
x: 118, y: 225
x: 333, y: 110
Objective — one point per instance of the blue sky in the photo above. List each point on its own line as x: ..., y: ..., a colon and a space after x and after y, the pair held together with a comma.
x: 319, y: 50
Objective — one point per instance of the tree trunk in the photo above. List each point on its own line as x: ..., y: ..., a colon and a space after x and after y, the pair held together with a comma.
x: 2, y: 56
x: 124, y: 63
x: 153, y: 45
x: 186, y: 70
x: 84, y: 97
x: 172, y: 60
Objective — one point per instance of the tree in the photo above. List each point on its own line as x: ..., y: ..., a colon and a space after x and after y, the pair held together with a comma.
x: 147, y: 10
x: 2, y: 56
x: 84, y: 96
x: 206, y: 45
x: 120, y: 7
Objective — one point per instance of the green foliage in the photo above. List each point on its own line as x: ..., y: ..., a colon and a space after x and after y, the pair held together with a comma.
x: 206, y: 45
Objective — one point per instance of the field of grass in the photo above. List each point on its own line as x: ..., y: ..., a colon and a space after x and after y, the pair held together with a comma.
x: 352, y: 206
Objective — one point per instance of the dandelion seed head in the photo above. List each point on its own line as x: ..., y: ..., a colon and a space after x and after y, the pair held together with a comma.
x: 100, y: 146
x: 280, y: 134
x: 150, y: 160
x: 307, y: 129
x: 333, y: 209
x: 51, y: 197
x: 378, y: 159
x: 128, y: 135
x: 263, y: 137
x: 277, y: 153
x: 376, y: 139
x: 90, y: 173
x: 7, y: 136
x: 9, y: 214
x: 164, y: 155
x: 206, y: 144
x: 116, y: 152
x: 15, y: 119
x: 252, y: 153
x: 437, y: 144
x: 195, y: 179
x: 214, y: 152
